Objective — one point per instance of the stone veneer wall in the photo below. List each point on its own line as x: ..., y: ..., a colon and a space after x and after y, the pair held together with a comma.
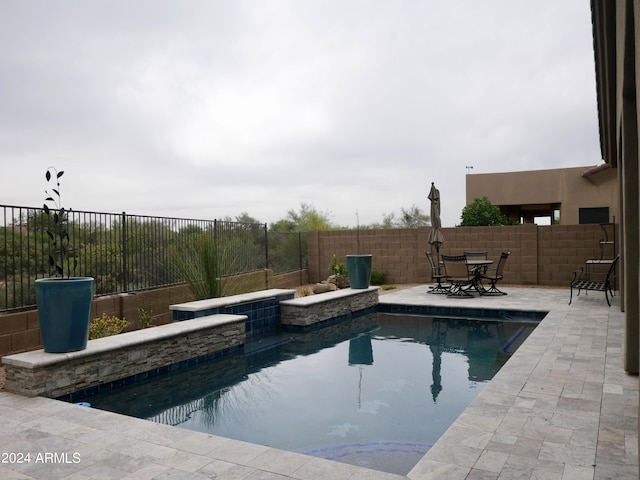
x: 540, y: 255
x: 315, y: 311
x: 121, y: 359
x: 262, y: 309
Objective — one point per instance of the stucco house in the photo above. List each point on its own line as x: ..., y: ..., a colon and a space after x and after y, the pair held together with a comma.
x: 567, y: 196
x: 616, y: 40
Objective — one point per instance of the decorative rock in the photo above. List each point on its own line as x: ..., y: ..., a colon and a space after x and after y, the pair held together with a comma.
x: 340, y: 281
x: 321, y: 288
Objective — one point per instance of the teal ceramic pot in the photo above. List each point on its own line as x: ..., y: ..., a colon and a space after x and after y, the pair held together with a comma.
x: 64, y: 311
x: 359, y: 270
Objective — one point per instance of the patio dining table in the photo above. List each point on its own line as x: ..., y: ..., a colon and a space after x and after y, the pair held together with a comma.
x: 476, y: 267
x: 479, y: 263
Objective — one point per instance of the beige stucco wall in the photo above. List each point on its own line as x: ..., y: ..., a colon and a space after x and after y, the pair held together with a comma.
x: 565, y: 186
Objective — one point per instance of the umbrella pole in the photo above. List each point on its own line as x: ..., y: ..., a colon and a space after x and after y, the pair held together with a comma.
x: 439, y: 288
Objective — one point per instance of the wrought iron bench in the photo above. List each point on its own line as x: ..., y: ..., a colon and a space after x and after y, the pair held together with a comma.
x: 586, y: 280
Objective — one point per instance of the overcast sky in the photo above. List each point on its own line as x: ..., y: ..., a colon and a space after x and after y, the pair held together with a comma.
x: 207, y: 109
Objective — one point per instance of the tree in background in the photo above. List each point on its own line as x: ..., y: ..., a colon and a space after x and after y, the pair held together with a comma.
x: 244, y: 217
x: 412, y: 217
x: 306, y: 219
x: 481, y: 213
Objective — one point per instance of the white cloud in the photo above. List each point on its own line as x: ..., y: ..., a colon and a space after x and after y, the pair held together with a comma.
x: 210, y: 109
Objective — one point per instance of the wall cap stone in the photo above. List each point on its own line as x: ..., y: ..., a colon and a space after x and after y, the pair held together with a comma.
x: 327, y: 296
x: 39, y: 358
x: 212, y: 303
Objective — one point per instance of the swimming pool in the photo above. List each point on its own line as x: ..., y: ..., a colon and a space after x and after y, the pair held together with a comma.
x: 376, y: 391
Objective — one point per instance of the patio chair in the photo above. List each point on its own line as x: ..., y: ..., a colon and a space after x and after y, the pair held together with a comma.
x: 586, y: 280
x: 494, y: 275
x: 458, y: 275
x: 437, y: 275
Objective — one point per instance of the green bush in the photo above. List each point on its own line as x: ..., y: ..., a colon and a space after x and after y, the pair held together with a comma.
x: 377, y: 278
x: 105, y: 326
x: 146, y: 318
x: 338, y: 269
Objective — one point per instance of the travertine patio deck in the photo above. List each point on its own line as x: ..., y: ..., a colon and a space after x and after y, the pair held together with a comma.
x: 562, y: 408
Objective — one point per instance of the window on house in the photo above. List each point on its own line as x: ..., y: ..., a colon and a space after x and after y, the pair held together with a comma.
x: 593, y: 215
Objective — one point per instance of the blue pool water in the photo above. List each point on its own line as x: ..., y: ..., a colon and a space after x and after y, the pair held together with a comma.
x: 376, y: 391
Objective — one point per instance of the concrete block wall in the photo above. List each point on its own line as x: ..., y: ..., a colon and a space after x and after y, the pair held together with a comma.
x: 155, y: 301
x: 540, y: 255
x: 19, y: 332
x: 289, y: 280
x: 395, y: 252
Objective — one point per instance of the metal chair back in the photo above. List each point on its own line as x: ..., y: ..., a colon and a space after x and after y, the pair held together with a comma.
x: 476, y: 255
x: 436, y: 273
x: 456, y: 267
x: 431, y: 262
x: 501, y: 263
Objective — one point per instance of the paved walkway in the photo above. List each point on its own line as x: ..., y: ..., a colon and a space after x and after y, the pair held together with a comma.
x: 561, y: 408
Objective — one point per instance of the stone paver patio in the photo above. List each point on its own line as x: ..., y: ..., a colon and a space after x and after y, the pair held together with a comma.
x: 561, y: 408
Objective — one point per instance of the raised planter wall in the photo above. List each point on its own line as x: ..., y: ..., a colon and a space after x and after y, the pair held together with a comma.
x: 207, y: 333
x: 20, y: 332
x: 261, y: 309
x: 316, y: 311
x: 121, y: 359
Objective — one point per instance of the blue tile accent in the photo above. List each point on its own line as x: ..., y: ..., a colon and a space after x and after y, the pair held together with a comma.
x: 461, y: 312
x: 90, y: 391
x: 328, y: 322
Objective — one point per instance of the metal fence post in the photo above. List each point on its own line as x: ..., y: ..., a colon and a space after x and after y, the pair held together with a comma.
x: 300, y: 255
x: 125, y: 275
x: 266, y: 248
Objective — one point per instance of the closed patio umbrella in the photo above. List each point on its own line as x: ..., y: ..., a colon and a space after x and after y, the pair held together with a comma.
x: 435, y: 235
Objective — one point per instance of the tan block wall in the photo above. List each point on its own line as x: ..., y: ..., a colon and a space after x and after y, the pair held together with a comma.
x: 289, y: 280
x: 540, y: 255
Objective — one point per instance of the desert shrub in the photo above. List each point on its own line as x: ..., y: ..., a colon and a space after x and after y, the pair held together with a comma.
x: 377, y: 278
x: 146, y: 318
x: 338, y: 269
x: 304, y: 291
x: 105, y: 326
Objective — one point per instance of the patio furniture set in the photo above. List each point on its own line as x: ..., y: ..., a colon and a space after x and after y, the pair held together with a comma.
x: 460, y: 275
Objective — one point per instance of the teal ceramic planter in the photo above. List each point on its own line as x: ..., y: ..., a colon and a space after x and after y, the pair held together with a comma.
x: 359, y: 270
x: 64, y: 311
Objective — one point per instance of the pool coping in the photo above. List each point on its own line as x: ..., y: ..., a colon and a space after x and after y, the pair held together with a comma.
x: 561, y: 405
x: 219, y: 302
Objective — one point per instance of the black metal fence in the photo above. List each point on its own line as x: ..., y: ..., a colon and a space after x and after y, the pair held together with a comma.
x: 128, y: 253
